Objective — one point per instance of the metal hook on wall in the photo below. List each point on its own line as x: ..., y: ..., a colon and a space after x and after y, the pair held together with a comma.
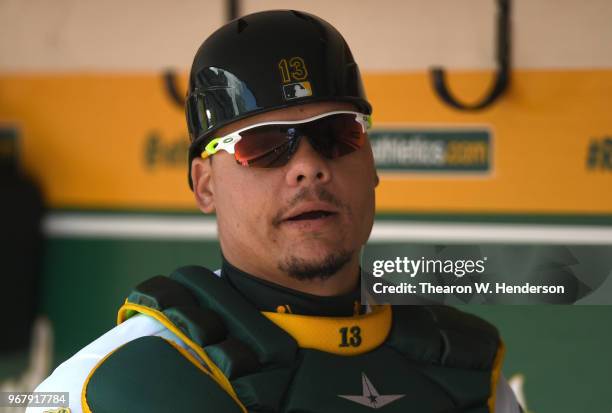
x: 438, y: 74
x: 169, y: 76
x: 171, y: 87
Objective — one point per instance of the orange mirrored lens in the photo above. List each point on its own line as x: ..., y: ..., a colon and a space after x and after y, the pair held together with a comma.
x: 271, y: 146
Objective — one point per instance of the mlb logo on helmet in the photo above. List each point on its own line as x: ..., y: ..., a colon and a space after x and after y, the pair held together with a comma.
x: 297, y: 90
x: 294, y: 69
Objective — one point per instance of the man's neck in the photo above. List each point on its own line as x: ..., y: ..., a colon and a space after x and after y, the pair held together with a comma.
x: 267, y: 295
x: 346, y: 279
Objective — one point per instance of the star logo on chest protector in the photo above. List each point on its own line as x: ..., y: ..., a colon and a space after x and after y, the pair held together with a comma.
x: 370, y: 396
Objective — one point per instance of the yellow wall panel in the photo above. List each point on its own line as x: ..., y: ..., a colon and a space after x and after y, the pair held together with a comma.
x: 87, y: 138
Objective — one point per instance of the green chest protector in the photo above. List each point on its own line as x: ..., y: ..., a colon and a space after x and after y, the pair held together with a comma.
x: 406, y: 359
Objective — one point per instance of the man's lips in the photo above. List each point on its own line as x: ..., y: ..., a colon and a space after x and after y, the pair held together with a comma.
x: 310, y: 211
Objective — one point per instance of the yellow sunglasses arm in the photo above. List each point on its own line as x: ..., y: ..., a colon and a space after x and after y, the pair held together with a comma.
x: 210, y: 148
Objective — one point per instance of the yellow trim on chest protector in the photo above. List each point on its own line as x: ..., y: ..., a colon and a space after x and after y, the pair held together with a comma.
x: 128, y: 309
x: 345, y: 336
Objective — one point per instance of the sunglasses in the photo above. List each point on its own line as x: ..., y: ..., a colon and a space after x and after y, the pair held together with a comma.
x: 272, y: 144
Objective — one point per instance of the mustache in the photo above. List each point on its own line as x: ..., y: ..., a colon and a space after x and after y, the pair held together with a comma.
x: 308, y: 194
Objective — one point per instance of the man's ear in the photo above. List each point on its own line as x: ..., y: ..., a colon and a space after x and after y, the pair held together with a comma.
x: 203, y: 188
x: 376, y: 179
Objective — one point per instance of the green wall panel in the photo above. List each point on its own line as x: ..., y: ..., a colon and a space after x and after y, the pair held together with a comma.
x: 86, y: 281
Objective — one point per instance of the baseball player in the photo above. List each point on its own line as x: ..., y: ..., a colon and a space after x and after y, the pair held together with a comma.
x: 278, y: 121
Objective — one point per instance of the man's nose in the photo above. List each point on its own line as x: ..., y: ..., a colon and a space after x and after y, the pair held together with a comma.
x: 307, y: 166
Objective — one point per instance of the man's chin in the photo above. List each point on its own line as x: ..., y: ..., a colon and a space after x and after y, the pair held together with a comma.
x: 313, y: 266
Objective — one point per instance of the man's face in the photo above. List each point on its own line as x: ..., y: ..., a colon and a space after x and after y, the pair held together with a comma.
x: 304, y: 220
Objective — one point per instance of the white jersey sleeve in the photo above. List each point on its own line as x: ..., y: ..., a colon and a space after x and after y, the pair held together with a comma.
x: 71, y: 375
x: 505, y: 401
